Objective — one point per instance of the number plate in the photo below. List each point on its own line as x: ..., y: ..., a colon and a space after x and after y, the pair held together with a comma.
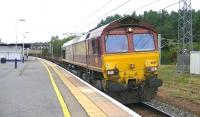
x: 150, y: 63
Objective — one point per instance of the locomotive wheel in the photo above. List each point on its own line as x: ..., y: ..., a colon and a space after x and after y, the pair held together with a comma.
x: 98, y: 84
x: 85, y: 77
x: 68, y: 68
x: 79, y: 74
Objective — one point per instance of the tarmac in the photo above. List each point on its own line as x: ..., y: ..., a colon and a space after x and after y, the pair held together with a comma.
x: 27, y: 91
x: 39, y: 88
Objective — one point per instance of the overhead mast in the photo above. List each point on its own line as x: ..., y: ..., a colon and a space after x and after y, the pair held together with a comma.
x: 185, y: 41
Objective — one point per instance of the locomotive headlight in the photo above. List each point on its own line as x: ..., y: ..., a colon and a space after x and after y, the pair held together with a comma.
x: 112, y: 72
x: 152, y: 69
x: 129, y: 30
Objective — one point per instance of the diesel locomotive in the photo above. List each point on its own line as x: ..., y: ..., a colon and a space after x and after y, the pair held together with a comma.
x: 120, y: 58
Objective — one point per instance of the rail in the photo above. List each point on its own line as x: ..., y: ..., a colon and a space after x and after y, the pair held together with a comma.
x: 166, y: 114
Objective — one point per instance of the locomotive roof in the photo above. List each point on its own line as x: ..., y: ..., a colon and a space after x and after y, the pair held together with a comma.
x: 97, y: 32
x: 69, y: 42
x: 126, y: 21
x: 75, y: 40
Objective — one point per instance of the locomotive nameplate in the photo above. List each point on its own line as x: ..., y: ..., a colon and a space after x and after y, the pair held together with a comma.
x: 151, y: 63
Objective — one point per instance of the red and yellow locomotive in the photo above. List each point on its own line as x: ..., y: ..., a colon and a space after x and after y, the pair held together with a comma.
x: 120, y: 58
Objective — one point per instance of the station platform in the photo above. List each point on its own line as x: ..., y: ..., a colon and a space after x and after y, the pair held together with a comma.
x: 39, y: 88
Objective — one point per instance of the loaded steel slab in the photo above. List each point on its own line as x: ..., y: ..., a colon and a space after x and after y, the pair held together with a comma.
x: 43, y: 89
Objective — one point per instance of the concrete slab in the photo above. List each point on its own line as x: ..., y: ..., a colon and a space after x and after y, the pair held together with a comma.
x: 27, y: 91
x: 73, y: 105
x: 94, y: 102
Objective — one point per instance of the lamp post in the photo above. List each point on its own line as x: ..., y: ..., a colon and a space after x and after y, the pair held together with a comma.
x: 19, y: 20
x: 23, y: 46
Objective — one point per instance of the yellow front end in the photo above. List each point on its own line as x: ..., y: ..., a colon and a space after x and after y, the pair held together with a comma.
x: 124, y: 67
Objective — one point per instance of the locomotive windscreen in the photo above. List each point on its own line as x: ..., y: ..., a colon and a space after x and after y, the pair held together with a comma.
x: 143, y: 42
x: 116, y: 43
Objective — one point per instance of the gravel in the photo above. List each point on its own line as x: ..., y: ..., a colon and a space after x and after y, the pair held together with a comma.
x: 174, y: 111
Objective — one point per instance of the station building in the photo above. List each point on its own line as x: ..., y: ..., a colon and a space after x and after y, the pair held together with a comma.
x: 11, y: 51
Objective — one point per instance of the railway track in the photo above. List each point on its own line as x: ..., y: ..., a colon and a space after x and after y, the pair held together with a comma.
x: 146, y: 110
x: 159, y: 111
x: 156, y: 108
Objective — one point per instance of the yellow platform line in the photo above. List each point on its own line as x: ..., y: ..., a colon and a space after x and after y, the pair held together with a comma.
x: 91, y: 109
x: 58, y: 94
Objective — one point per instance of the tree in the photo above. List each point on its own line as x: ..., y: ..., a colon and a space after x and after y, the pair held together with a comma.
x: 108, y: 20
x: 196, y: 25
x: 57, y: 44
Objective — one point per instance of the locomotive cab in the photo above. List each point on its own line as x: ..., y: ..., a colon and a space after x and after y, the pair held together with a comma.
x: 130, y: 56
x: 131, y: 59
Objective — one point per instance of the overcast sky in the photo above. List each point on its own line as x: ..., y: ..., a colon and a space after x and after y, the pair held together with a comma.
x: 45, y: 18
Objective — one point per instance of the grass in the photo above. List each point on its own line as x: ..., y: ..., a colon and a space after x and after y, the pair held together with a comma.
x: 168, y: 73
x: 185, y: 86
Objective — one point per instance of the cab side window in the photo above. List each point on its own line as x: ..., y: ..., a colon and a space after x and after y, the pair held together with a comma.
x: 95, y: 46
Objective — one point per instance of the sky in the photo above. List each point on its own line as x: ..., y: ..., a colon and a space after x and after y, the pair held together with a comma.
x: 47, y: 18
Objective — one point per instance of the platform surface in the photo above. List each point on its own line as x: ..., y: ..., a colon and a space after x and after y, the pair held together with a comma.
x: 39, y: 88
x: 27, y: 91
